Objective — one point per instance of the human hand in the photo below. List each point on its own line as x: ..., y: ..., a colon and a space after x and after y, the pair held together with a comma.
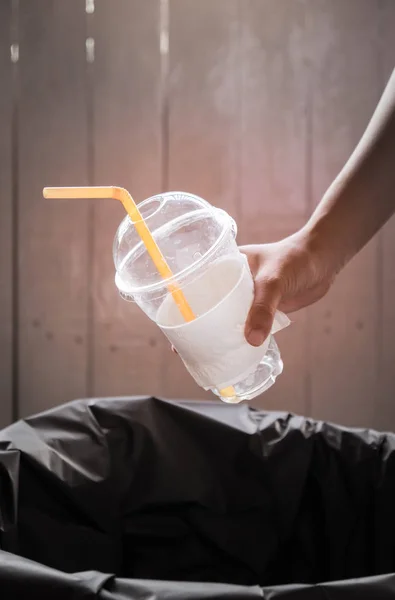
x: 288, y: 276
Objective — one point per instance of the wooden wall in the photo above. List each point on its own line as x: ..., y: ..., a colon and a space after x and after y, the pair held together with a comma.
x: 253, y: 104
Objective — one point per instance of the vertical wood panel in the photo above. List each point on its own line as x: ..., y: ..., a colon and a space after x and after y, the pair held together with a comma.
x: 385, y: 417
x: 203, y: 121
x: 274, y: 80
x: 127, y: 346
x: 343, y: 38
x: 203, y: 99
x: 5, y: 216
x: 52, y: 235
x: 274, y: 194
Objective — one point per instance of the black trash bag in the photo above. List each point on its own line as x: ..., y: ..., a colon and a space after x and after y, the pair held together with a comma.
x: 132, y: 498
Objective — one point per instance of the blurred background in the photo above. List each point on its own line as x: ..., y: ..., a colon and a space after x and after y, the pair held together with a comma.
x: 254, y: 105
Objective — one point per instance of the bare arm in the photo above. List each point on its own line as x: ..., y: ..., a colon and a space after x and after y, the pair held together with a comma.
x: 299, y: 270
x: 362, y: 197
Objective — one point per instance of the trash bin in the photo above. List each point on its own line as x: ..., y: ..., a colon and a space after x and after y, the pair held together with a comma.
x: 140, y: 498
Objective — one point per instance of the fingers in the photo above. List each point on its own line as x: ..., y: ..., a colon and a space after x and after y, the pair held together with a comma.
x: 261, y: 315
x: 266, y: 298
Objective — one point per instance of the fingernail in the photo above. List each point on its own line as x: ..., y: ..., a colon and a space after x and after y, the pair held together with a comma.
x: 256, y: 337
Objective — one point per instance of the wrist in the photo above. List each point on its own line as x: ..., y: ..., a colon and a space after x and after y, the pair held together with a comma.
x: 324, y: 253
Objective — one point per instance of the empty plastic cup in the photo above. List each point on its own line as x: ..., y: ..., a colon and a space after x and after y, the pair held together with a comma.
x: 198, y: 242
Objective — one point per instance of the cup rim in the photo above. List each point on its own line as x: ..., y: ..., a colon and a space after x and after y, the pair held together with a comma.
x: 228, y: 224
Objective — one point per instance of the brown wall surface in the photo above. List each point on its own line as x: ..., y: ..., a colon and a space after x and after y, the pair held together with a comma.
x: 254, y: 105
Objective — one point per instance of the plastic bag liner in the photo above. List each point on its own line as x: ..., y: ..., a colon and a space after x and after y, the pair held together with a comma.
x: 138, y: 498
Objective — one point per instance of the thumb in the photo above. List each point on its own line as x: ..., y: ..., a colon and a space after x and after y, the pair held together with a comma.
x: 260, y: 319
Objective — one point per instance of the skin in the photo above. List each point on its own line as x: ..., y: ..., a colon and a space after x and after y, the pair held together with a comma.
x: 299, y: 270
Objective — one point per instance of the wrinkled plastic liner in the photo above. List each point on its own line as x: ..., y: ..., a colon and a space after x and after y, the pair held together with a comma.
x: 138, y: 498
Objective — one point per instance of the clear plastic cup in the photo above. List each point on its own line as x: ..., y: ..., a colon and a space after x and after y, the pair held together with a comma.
x: 198, y: 242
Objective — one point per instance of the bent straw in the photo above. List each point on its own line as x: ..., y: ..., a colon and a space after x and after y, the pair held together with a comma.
x: 118, y: 193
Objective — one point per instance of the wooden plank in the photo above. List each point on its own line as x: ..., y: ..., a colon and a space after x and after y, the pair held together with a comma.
x: 343, y: 43
x: 203, y: 100
x: 274, y: 194
x: 203, y: 122
x: 52, y: 235
x: 385, y: 406
x: 127, y: 346
x: 5, y: 216
x: 274, y: 118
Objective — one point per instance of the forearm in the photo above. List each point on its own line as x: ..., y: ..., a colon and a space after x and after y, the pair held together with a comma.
x: 362, y: 197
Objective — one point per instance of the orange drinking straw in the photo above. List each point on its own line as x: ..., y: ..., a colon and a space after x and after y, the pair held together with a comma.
x: 140, y: 225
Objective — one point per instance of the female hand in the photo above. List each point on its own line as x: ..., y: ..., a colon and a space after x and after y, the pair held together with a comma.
x: 288, y: 276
